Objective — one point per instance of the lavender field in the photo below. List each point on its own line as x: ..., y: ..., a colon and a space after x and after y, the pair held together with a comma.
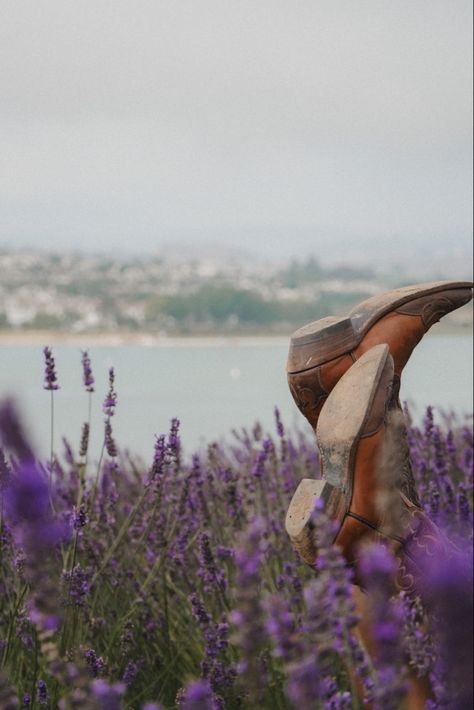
x: 175, y: 586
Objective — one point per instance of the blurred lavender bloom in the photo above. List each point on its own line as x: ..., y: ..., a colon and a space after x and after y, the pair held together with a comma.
x: 131, y: 671
x: 108, y: 696
x: 80, y: 518
x: 280, y: 626
x: 219, y: 674
x: 197, y: 696
x: 68, y: 452
x: 87, y: 376
x: 451, y: 610
x: 5, y: 471
x: 248, y: 613
x: 12, y: 434
x: 24, y: 628
x: 213, y: 577
x: 303, y: 685
x: 417, y: 641
x: 110, y: 445
x: 77, y: 583
x: 279, y: 424
x: 8, y: 697
x: 84, y: 445
x: 174, y: 441
x: 378, y: 568
x: 50, y: 377
x: 29, y: 512
x: 259, y: 466
x: 159, y: 457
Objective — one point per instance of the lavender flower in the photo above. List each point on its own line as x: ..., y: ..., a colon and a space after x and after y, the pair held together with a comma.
x: 131, y: 671
x: 110, y: 401
x: 259, y: 467
x: 80, y: 518
x: 279, y: 424
x: 213, y: 577
x: 87, y: 376
x: 84, y: 445
x: 219, y: 674
x: 159, y: 457
x: 248, y: 614
x: 174, y: 441
x: 94, y: 662
x: 77, y: 582
x: 303, y: 687
x: 280, y: 626
x: 42, y: 694
x: 50, y: 377
x: 110, y: 445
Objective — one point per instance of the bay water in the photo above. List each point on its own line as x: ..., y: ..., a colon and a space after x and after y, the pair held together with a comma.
x: 211, y: 386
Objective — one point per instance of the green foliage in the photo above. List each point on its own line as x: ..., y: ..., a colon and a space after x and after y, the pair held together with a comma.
x: 216, y: 303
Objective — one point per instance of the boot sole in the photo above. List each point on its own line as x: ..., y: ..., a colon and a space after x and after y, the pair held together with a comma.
x: 334, y: 336
x: 340, y: 425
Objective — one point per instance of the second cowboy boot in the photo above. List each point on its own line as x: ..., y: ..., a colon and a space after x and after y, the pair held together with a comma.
x: 359, y: 488
x: 350, y: 435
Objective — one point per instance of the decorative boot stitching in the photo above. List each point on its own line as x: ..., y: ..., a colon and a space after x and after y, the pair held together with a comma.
x: 305, y: 398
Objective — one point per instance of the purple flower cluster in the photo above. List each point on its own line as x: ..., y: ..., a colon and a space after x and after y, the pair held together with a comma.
x: 174, y: 584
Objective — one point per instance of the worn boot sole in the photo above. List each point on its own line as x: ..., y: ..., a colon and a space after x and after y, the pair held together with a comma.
x: 339, y: 429
x: 334, y: 336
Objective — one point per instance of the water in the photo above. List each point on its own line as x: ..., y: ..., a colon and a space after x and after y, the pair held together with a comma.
x: 212, y: 388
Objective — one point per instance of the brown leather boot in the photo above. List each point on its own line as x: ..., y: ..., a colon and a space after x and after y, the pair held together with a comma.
x: 359, y: 488
x: 322, y: 351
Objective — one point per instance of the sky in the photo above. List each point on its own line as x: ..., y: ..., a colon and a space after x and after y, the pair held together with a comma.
x: 330, y: 127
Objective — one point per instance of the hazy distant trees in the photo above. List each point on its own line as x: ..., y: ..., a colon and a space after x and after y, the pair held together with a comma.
x: 227, y: 305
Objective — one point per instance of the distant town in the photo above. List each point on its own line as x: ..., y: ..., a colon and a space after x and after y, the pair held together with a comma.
x: 168, y: 296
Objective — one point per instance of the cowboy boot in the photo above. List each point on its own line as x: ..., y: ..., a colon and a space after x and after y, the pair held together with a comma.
x: 322, y: 351
x: 358, y: 488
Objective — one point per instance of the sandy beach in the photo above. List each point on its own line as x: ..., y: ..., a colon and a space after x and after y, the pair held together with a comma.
x: 34, y: 337
x: 146, y: 339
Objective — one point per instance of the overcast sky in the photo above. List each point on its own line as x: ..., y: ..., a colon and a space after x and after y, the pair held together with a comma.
x: 277, y: 126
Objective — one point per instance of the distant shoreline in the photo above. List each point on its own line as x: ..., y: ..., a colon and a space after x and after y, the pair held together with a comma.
x: 43, y: 337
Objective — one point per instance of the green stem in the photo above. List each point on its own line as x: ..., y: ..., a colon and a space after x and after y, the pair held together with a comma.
x: 6, y: 650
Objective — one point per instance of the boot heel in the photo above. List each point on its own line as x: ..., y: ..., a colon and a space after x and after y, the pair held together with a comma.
x: 299, y: 525
x: 327, y: 338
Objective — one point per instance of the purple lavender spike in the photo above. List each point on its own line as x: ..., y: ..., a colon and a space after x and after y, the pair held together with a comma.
x: 110, y: 401
x: 50, y: 376
x: 87, y: 376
